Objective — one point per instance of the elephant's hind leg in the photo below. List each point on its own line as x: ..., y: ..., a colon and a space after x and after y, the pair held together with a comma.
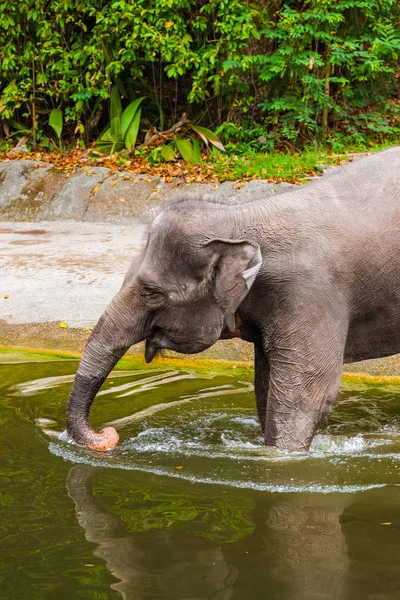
x: 261, y: 382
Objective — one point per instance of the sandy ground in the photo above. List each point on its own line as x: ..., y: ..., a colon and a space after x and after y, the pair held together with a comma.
x: 62, y: 271
x: 67, y: 272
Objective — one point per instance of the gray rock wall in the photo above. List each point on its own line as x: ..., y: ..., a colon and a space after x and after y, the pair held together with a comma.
x: 34, y: 191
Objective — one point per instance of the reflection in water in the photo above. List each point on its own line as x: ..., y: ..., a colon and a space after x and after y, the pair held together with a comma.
x: 195, y: 570
x: 298, y: 550
x: 309, y: 548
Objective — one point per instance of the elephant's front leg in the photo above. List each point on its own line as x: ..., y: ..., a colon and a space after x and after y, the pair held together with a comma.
x: 305, y: 368
x: 298, y: 402
x: 261, y: 381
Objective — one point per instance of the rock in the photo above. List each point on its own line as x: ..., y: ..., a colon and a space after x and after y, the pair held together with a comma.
x: 284, y: 188
x: 14, y: 176
x: 223, y: 192
x: 35, y: 191
x: 72, y: 201
x: 23, y: 149
x: 255, y: 190
x: 125, y: 196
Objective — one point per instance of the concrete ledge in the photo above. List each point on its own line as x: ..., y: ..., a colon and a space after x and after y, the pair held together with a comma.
x: 35, y: 191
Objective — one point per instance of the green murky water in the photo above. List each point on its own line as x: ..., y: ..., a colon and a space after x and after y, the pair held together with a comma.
x: 191, y: 505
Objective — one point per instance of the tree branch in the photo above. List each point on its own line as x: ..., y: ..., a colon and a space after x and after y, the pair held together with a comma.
x: 154, y: 136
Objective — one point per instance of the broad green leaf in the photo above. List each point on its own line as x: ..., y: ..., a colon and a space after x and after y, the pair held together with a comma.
x: 56, y: 121
x: 215, y: 151
x: 117, y: 146
x: 196, y: 151
x: 115, y: 113
x: 128, y: 115
x: 106, y: 136
x: 45, y: 142
x: 15, y: 125
x: 167, y: 152
x: 133, y: 129
x: 21, y: 132
x: 185, y: 148
x: 209, y: 136
x: 109, y: 147
x: 107, y: 144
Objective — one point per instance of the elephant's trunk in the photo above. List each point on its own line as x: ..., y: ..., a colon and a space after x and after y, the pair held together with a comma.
x: 121, y: 326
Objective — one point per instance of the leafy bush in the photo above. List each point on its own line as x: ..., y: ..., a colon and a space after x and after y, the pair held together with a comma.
x: 298, y: 69
x: 122, y: 131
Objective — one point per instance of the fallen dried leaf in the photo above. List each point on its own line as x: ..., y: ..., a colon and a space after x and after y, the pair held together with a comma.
x: 169, y: 523
x: 113, y: 183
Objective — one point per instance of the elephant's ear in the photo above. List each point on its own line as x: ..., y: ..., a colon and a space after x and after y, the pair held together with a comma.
x: 235, y: 266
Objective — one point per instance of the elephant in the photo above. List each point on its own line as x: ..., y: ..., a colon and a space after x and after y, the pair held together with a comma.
x: 310, y: 277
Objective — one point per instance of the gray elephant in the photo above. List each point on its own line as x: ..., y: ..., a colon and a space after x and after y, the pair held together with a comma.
x: 312, y: 276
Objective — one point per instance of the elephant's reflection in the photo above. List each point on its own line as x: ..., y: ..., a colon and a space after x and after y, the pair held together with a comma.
x: 149, y: 566
x: 297, y: 549
x: 288, y: 547
x: 306, y: 547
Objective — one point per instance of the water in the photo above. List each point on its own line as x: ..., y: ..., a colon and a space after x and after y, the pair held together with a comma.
x: 191, y: 505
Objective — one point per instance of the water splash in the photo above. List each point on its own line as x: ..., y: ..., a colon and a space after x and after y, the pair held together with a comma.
x: 209, y: 430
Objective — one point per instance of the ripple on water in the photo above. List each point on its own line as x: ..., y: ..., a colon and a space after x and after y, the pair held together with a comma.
x: 213, y: 436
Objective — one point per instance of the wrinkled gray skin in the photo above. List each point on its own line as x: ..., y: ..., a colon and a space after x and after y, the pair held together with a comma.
x: 314, y: 276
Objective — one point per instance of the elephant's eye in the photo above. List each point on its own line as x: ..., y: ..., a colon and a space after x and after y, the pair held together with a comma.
x: 152, y: 297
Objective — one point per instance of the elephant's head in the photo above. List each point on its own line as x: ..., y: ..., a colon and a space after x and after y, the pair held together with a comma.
x: 179, y: 294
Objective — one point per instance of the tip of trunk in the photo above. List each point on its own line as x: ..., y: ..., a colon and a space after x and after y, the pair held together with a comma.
x: 105, y: 440
x: 84, y: 435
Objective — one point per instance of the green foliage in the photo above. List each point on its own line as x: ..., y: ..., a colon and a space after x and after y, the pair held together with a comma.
x: 209, y: 136
x: 330, y: 61
x: 185, y: 148
x: 123, y: 127
x: 274, y: 166
x: 298, y: 69
x: 56, y: 122
x: 190, y: 149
